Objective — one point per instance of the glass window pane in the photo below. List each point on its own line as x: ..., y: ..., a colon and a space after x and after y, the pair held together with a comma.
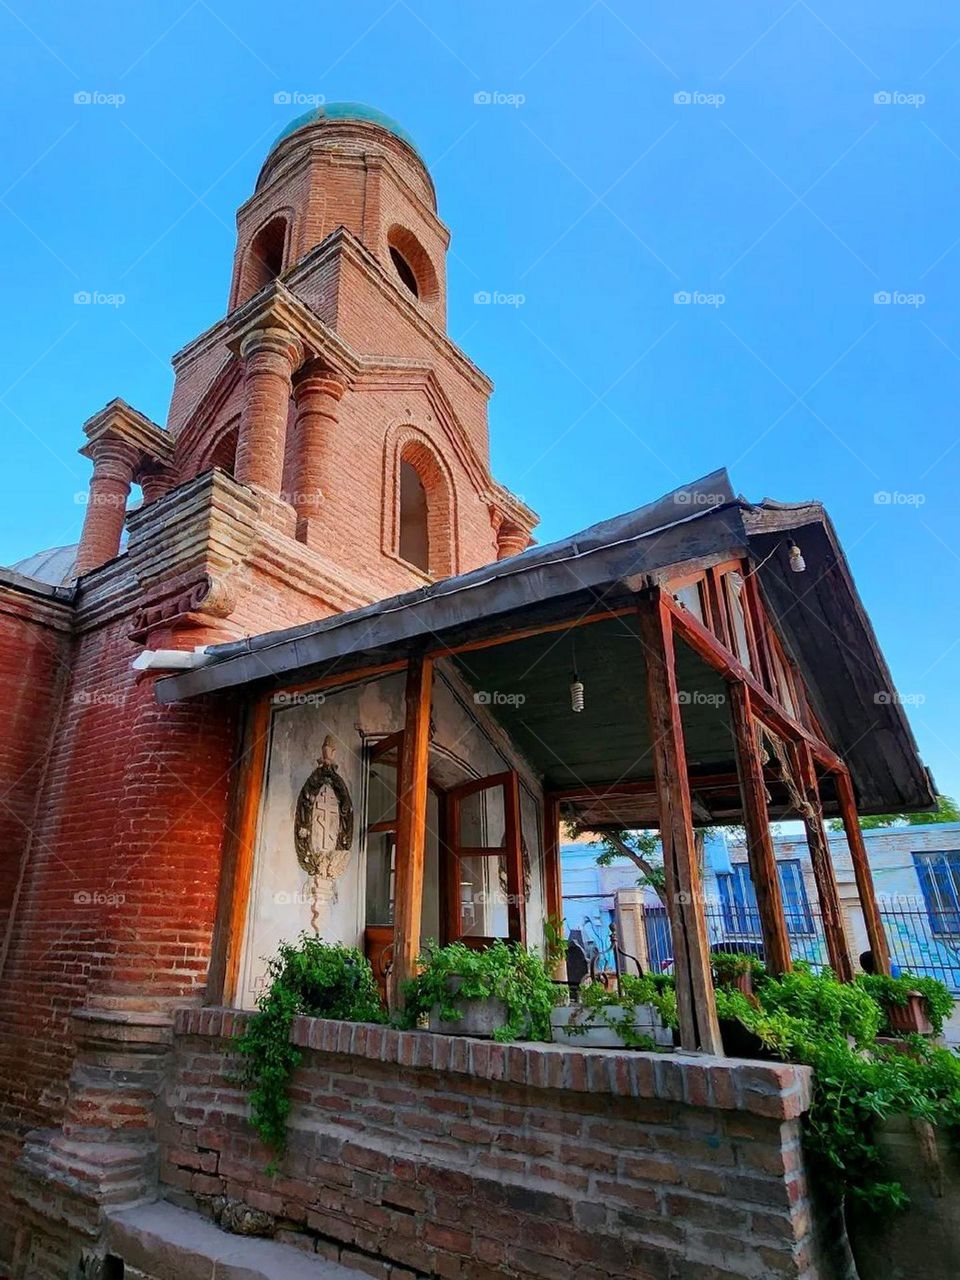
x: 689, y: 597
x: 734, y: 586
x: 483, y: 819
x: 382, y: 801
x: 482, y: 897
x: 380, y: 871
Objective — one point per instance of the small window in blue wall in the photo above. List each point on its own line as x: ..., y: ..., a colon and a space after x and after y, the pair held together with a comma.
x: 738, y: 900
x: 939, y: 876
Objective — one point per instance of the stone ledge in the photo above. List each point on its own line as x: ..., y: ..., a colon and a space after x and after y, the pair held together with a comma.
x: 777, y: 1091
x: 173, y: 1244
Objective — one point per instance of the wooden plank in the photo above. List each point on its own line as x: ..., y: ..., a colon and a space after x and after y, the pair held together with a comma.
x: 341, y: 677
x: 696, y: 1005
x: 525, y: 633
x: 756, y: 820
x: 236, y: 875
x: 516, y: 900
x: 765, y: 708
x: 861, y: 870
x: 551, y: 857
x: 411, y: 825
x: 824, y: 872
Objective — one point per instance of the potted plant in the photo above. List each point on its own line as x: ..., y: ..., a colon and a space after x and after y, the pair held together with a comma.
x: 911, y: 1005
x: 311, y: 977
x: 736, y: 969
x: 627, y: 1017
x: 502, y: 992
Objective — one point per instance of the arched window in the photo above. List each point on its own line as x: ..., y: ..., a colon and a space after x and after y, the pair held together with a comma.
x: 419, y: 515
x: 404, y: 271
x: 412, y: 264
x: 264, y: 258
x: 414, y: 518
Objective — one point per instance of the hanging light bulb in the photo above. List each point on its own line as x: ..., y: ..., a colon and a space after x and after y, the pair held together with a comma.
x: 797, y: 562
x: 576, y: 688
x: 576, y: 693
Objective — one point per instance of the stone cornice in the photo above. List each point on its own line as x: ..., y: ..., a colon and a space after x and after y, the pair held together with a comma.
x: 353, y: 251
x: 36, y: 602
x: 278, y: 162
x: 513, y: 508
x: 119, y: 420
x: 372, y: 160
x: 277, y: 304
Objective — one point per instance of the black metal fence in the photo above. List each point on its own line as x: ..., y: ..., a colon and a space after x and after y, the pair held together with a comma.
x: 917, y: 944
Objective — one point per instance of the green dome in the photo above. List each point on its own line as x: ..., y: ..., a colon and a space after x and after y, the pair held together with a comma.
x: 346, y: 111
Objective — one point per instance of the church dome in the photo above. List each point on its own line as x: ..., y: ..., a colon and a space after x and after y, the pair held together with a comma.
x: 56, y: 567
x: 348, y: 111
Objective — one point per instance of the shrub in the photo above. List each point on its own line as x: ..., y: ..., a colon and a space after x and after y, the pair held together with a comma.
x: 311, y: 977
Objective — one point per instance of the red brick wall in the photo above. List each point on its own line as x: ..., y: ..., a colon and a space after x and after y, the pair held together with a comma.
x: 34, y: 658
x: 451, y: 1157
x: 120, y: 887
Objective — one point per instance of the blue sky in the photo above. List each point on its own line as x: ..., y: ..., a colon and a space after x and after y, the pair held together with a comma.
x: 782, y: 185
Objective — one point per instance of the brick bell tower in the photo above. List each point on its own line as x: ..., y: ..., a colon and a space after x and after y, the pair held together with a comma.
x: 326, y: 446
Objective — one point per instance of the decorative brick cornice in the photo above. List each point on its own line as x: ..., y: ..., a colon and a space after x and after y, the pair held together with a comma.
x: 774, y: 1090
x: 120, y: 422
x: 187, y: 549
x: 276, y: 308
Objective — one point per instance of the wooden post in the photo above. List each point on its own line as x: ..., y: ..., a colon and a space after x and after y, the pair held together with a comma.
x: 552, y: 871
x: 861, y: 870
x: 239, y: 849
x: 756, y: 820
x: 696, y: 1005
x: 824, y: 873
x: 411, y: 825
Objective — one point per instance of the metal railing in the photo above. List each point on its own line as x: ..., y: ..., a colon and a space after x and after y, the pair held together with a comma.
x: 917, y: 944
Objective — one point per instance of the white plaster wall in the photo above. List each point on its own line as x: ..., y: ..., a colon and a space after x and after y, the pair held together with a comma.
x: 462, y: 747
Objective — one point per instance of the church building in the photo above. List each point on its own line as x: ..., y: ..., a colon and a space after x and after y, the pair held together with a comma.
x: 320, y: 678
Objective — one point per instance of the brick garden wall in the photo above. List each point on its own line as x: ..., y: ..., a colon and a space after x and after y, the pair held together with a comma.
x: 451, y: 1157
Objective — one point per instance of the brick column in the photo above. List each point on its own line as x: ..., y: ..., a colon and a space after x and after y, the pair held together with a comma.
x: 270, y: 357
x: 155, y: 483
x: 317, y: 392
x: 511, y: 540
x: 114, y: 462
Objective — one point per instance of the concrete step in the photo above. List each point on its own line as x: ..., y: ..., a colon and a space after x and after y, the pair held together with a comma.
x: 163, y: 1242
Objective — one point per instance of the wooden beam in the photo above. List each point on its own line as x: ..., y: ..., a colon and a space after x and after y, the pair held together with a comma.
x: 411, y: 825
x: 236, y: 874
x: 513, y: 854
x: 861, y: 870
x: 824, y: 872
x: 525, y: 633
x: 705, y: 644
x: 696, y: 1005
x: 756, y: 820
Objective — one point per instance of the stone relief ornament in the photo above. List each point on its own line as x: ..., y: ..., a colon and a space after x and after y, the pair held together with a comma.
x: 324, y: 825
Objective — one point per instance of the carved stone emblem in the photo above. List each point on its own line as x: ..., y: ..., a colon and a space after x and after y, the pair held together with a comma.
x: 324, y: 820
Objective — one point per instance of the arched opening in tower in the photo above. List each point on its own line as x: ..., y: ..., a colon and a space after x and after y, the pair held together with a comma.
x: 414, y: 525
x: 264, y: 260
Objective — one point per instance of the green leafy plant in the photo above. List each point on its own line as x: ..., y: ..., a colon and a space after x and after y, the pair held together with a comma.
x: 886, y: 991
x: 311, y: 977
x: 617, y: 1008
x: 832, y: 1027
x: 507, y: 971
x: 729, y: 966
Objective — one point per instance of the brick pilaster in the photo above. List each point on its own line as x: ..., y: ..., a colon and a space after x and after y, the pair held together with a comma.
x: 317, y: 392
x: 113, y: 467
x: 269, y: 357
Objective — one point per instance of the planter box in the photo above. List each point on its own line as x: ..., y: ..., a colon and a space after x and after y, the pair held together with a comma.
x: 910, y: 1018
x: 573, y: 1024
x: 479, y: 1018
